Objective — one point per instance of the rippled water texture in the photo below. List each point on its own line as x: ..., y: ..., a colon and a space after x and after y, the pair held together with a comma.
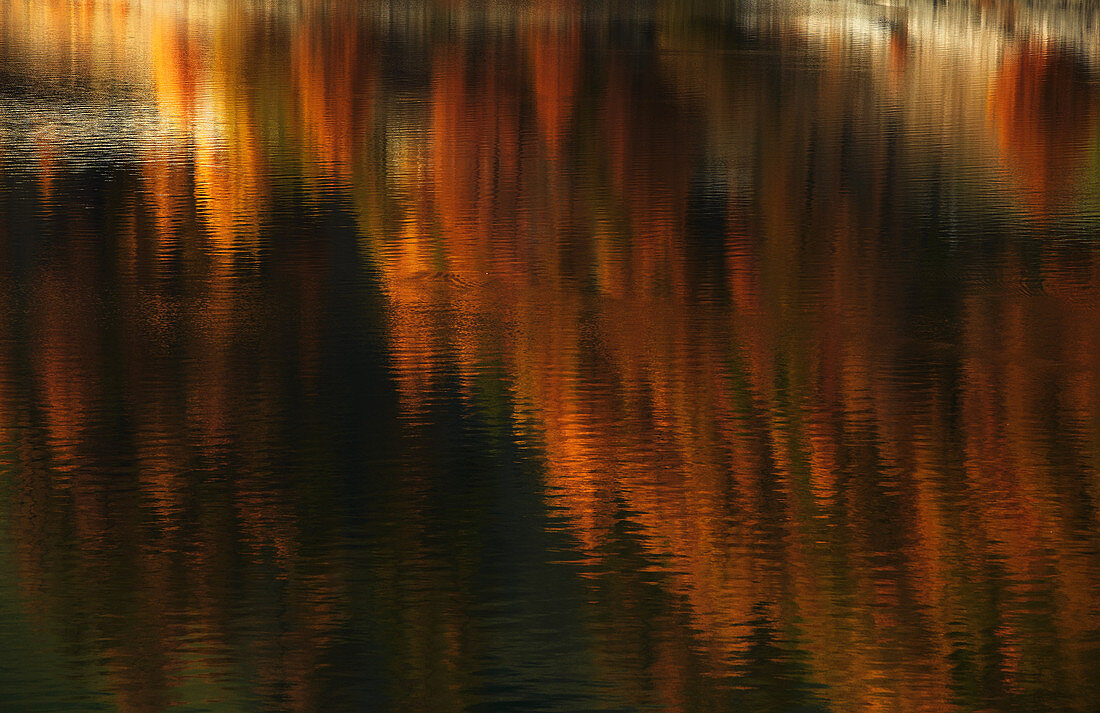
x: 562, y: 356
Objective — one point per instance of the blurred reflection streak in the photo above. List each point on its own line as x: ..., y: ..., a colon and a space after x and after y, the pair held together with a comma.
x: 874, y: 449
x: 1042, y: 107
x: 806, y: 445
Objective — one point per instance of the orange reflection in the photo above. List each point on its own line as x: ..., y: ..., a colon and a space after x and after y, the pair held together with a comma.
x: 785, y: 428
x: 1042, y: 107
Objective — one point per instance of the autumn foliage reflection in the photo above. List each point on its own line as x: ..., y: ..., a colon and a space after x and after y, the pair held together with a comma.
x: 1044, y: 110
x: 805, y: 444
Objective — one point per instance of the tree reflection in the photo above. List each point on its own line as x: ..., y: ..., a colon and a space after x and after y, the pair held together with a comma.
x: 454, y: 358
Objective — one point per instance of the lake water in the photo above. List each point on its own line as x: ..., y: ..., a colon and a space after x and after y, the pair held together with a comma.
x: 562, y: 356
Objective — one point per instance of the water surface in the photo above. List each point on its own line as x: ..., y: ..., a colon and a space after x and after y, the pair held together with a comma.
x: 549, y: 356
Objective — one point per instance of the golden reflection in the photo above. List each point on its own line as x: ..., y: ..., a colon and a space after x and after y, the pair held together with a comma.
x: 790, y: 427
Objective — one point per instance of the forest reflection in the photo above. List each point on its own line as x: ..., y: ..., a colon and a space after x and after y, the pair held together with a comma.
x: 552, y: 358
